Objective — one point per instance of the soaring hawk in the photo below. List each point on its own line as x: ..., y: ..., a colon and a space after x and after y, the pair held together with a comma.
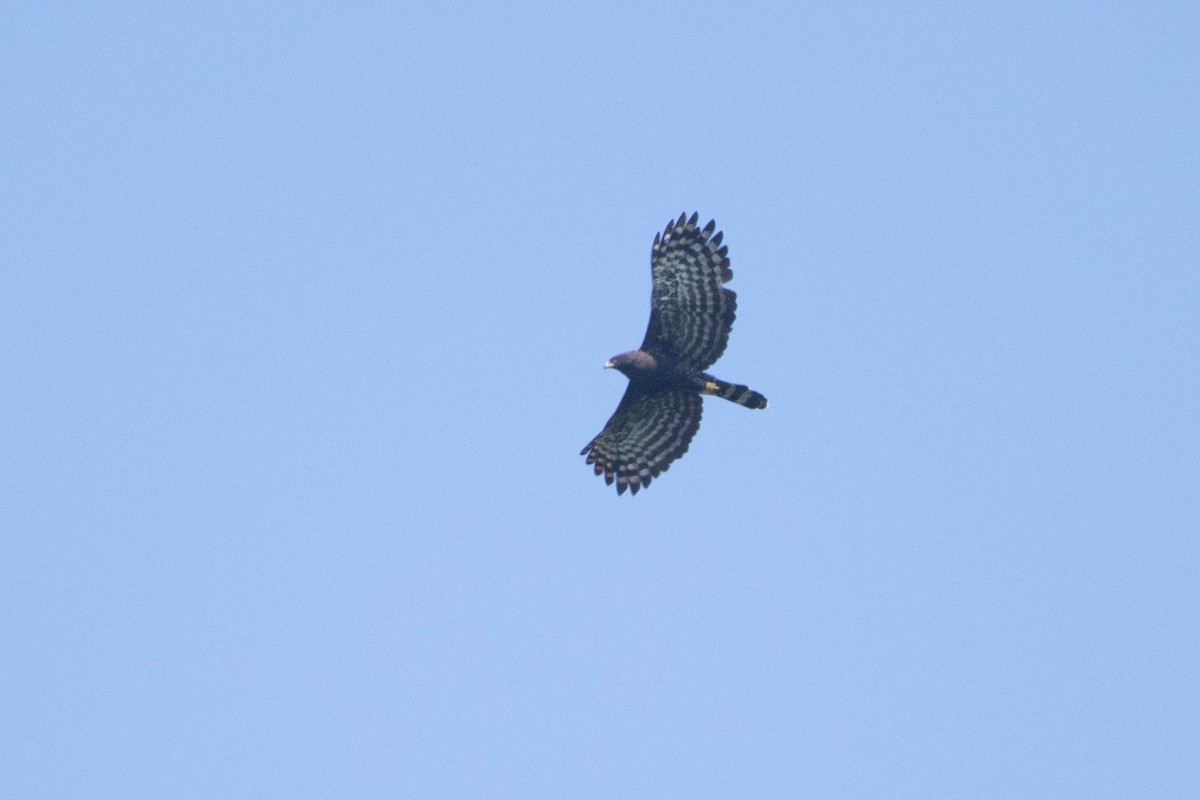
x: 691, y: 314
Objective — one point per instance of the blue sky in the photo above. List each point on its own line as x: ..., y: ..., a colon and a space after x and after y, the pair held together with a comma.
x: 304, y: 309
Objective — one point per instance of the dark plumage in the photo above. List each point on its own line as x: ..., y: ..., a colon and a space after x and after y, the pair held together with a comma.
x: 691, y: 314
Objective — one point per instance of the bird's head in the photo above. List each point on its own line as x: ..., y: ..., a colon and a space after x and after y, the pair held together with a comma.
x: 632, y: 362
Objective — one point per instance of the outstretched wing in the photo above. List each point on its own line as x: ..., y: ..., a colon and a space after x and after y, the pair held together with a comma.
x: 645, y: 434
x: 691, y: 313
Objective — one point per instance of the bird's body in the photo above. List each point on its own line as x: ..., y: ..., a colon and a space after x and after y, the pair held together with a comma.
x: 690, y: 320
x: 658, y: 374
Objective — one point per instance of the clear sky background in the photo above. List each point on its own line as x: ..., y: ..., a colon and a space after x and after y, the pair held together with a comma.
x: 303, y: 309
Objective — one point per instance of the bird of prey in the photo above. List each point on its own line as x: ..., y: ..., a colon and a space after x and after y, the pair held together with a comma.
x: 691, y: 314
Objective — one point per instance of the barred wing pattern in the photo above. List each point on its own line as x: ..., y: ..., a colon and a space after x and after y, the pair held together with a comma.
x: 645, y: 434
x: 691, y: 311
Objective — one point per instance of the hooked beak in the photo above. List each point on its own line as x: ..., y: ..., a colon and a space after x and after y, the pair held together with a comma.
x: 608, y: 364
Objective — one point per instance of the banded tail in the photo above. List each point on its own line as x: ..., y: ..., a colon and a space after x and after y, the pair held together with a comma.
x: 742, y: 395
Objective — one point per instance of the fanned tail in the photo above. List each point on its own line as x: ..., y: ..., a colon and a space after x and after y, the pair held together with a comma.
x: 735, y: 392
